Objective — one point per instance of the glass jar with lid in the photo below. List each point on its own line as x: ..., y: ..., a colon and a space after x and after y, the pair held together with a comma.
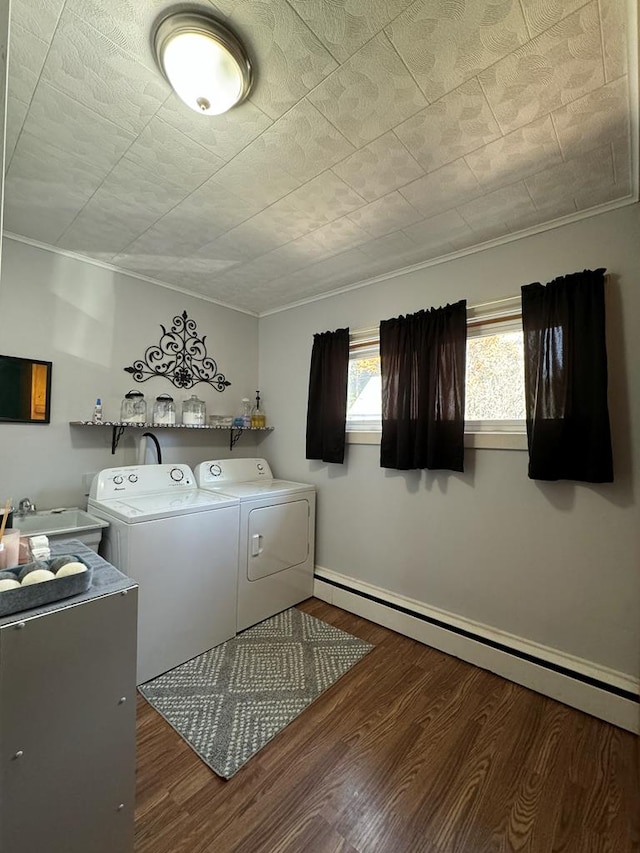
x: 194, y: 412
x: 134, y: 408
x: 164, y: 410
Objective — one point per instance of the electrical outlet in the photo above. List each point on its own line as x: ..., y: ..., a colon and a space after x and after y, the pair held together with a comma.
x: 87, y: 479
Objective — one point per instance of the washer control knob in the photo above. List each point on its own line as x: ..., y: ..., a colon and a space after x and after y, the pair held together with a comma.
x: 215, y: 470
x: 176, y: 474
x: 260, y: 466
x: 133, y: 478
x: 118, y: 480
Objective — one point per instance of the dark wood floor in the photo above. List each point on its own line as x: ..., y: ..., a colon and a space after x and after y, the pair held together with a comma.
x: 411, y: 751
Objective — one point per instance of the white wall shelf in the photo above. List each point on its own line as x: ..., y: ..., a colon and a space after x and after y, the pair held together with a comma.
x: 119, y: 427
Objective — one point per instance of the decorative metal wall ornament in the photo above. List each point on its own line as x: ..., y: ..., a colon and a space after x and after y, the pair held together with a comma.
x: 181, y: 356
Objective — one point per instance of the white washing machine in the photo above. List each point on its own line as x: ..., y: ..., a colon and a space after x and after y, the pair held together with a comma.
x: 277, y: 535
x: 181, y: 546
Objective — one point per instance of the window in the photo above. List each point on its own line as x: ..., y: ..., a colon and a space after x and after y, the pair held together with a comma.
x: 495, y: 401
x: 364, y: 386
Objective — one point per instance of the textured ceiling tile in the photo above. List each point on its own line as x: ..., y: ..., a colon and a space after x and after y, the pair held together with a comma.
x: 449, y: 186
x: 288, y: 57
x: 584, y: 174
x: 63, y: 168
x: 140, y: 189
x: 16, y: 114
x: 180, y: 232
x: 255, y: 178
x: 104, y: 225
x: 438, y: 231
x: 369, y: 94
x: 622, y: 164
x: 242, y: 243
x: 559, y: 66
x: 506, y: 205
x: 479, y: 235
x: 615, y: 15
x: 223, y: 135
x: 26, y: 58
x: 303, y: 141
x: 527, y: 150
x: 153, y: 265
x: 129, y: 201
x: 542, y: 14
x: 39, y: 209
x: 458, y: 123
x: 42, y: 202
x: 593, y: 120
x: 202, y: 266
x: 339, y: 235
x: 171, y: 155
x: 344, y: 26
x: 389, y: 213
x: 61, y: 121
x: 445, y: 44
x: 219, y: 207
x: 379, y: 167
x: 87, y: 66
x: 391, y: 247
x: 39, y: 18
x: 319, y: 201
x: 128, y: 23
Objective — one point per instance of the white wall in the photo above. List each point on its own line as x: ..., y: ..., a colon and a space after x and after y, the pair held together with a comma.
x: 556, y: 563
x: 92, y: 323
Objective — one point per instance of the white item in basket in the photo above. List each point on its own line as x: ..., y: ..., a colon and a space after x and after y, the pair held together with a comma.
x: 38, y: 576
x: 71, y: 569
x: 5, y: 583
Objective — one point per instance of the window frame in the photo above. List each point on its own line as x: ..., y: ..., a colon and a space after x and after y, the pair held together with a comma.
x: 482, y: 319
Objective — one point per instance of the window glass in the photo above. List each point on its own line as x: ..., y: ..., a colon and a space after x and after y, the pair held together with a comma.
x: 364, y: 389
x: 495, y: 377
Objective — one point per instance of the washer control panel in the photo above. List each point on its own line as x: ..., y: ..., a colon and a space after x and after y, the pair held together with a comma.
x: 141, y: 480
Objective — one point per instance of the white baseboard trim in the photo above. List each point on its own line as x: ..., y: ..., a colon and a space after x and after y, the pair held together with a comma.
x: 604, y: 693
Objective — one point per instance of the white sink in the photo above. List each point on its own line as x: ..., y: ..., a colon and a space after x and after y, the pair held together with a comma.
x: 69, y: 524
x: 47, y: 522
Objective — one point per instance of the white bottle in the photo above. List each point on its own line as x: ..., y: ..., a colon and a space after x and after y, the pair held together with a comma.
x: 97, y: 412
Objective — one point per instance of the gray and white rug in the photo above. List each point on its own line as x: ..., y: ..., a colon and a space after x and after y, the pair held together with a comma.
x: 230, y: 701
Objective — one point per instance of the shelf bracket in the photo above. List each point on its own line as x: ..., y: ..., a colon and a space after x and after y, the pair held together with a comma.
x: 234, y: 435
x: 116, y: 435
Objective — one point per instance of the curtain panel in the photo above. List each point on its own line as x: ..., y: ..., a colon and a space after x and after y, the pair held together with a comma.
x: 423, y: 363
x: 327, y: 406
x: 565, y: 357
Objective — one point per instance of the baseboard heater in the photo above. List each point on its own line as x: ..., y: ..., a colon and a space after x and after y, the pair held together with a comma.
x: 621, y: 708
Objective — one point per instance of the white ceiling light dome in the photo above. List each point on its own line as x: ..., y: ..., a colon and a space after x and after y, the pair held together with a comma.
x: 205, y: 63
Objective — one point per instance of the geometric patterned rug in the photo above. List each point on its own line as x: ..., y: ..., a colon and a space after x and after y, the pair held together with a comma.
x: 230, y: 701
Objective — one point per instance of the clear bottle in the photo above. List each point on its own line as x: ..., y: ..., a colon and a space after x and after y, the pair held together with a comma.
x: 97, y: 412
x: 246, y: 413
x: 258, y: 419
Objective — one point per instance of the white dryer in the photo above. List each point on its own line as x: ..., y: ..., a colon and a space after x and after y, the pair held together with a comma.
x: 277, y: 535
x: 181, y: 546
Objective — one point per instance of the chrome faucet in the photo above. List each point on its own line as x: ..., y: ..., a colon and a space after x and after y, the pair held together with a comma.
x: 26, y: 507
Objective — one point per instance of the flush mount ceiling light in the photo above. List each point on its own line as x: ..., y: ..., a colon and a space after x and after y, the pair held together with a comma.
x: 204, y: 62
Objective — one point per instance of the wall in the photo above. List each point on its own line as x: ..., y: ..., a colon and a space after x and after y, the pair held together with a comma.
x: 555, y: 563
x: 91, y: 323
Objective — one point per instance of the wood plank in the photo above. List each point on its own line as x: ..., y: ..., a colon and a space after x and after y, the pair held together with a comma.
x: 412, y: 750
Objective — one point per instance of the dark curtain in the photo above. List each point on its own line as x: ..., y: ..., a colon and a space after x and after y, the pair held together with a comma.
x: 565, y: 360
x: 423, y: 363
x: 327, y: 408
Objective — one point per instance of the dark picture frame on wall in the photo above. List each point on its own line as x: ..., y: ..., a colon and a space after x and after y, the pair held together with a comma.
x: 25, y: 390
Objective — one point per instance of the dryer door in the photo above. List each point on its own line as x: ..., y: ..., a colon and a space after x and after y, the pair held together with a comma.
x: 278, y: 538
